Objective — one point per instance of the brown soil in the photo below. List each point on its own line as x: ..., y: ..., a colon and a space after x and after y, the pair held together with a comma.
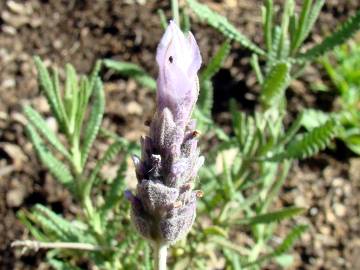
x: 79, y: 32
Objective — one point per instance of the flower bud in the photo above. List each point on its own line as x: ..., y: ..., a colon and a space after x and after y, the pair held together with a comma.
x: 164, y: 206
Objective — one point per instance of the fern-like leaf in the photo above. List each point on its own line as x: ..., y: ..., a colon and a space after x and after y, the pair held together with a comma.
x: 302, y: 24
x: 275, y: 84
x: 344, y: 32
x: 47, y: 86
x: 223, y: 25
x: 313, y: 15
x: 94, y: 121
x: 310, y: 143
x: 36, y: 119
x: 55, y: 166
x: 62, y: 226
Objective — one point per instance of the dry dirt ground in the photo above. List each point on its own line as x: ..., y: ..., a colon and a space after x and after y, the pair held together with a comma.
x: 80, y: 32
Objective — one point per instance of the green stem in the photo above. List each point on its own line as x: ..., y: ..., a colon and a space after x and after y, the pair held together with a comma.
x: 175, y: 11
x: 160, y: 254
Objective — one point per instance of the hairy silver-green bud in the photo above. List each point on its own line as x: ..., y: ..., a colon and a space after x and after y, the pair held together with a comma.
x: 164, y: 206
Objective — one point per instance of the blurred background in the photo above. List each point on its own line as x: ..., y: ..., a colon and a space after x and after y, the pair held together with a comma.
x: 80, y: 32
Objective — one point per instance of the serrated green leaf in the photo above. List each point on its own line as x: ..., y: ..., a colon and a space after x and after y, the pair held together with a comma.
x: 223, y: 25
x: 216, y: 61
x: 23, y: 216
x: 306, y: 145
x: 312, y: 17
x: 94, y: 121
x: 270, y: 217
x: 302, y: 24
x: 344, y: 32
x: 93, y: 77
x: 69, y: 231
x: 274, y: 86
x: 132, y: 70
x: 59, y: 100
x: 48, y: 88
x: 36, y: 119
x: 55, y: 166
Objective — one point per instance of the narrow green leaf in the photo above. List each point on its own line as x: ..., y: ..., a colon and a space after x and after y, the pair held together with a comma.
x: 256, y: 67
x: 310, y: 21
x: 206, y: 98
x: 274, y: 86
x: 307, y: 144
x: 36, y: 119
x: 216, y: 61
x: 55, y: 166
x: 23, y: 216
x: 94, y: 121
x: 293, y: 129
x: 223, y: 25
x: 70, y: 92
x: 47, y: 86
x: 283, y: 47
x: 62, y: 226
x: 59, y: 100
x: 185, y: 21
x: 302, y: 25
x: 268, y: 16
x: 162, y: 17
x: 344, y: 32
x: 93, y: 77
x: 132, y: 70
x: 267, y: 218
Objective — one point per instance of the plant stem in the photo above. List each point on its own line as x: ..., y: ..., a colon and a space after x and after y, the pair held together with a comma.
x: 175, y: 11
x: 36, y: 245
x: 160, y: 254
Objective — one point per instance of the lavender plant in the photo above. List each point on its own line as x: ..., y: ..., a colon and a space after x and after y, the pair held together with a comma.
x: 244, y: 171
x: 78, y: 111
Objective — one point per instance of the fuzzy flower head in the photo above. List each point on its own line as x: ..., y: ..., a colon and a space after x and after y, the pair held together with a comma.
x: 164, y: 205
x: 178, y: 57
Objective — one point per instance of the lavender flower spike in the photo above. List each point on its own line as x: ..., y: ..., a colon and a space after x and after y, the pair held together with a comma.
x: 164, y: 206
